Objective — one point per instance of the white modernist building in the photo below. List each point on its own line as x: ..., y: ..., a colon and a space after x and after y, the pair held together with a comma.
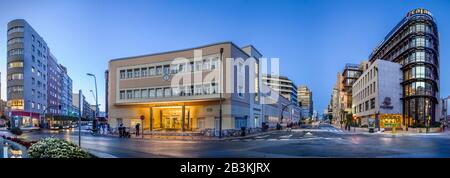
x: 377, y: 93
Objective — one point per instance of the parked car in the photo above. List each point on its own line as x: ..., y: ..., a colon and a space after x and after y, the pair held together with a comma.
x: 66, y: 127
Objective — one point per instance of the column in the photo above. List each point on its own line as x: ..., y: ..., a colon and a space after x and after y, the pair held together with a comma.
x: 151, y: 118
x: 182, y: 117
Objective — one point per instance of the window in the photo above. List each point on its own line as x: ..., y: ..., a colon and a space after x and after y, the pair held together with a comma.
x: 15, y: 64
x: 152, y: 71
x: 198, y: 89
x: 206, y: 65
x: 158, y: 70
x: 215, y: 63
x: 16, y: 76
x: 33, y: 81
x: 159, y: 93
x: 181, y: 68
x: 33, y: 58
x: 144, y: 93
x: 32, y: 105
x: 129, y: 73
x: 129, y: 94
x: 144, y: 72
x: 122, y: 95
x: 137, y: 73
x: 137, y: 94
x: 420, y: 41
x: 372, y: 103
x: 166, y: 69
x: 18, y: 51
x: 173, y: 68
x: 151, y: 93
x: 206, y: 89
x: 167, y: 92
x: 215, y: 88
x: 420, y: 27
x: 15, y: 29
x: 122, y: 74
x: 15, y: 40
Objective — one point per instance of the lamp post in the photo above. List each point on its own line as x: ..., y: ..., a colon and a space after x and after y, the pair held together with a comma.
x: 96, y: 94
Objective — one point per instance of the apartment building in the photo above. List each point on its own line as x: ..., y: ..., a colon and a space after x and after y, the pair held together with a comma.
x: 29, y: 76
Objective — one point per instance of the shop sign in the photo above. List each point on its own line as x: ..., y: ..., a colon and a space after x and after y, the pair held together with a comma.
x: 387, y: 103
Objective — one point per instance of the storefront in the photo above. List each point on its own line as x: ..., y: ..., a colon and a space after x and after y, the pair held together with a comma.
x: 174, y: 118
x: 24, y: 119
x: 389, y: 121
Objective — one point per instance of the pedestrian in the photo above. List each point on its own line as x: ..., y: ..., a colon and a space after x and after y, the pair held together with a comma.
x: 121, y: 130
x: 137, y: 129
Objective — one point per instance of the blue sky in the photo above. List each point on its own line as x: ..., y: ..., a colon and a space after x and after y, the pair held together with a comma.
x: 312, y: 38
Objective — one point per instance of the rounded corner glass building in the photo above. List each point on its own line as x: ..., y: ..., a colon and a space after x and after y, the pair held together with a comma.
x: 414, y: 43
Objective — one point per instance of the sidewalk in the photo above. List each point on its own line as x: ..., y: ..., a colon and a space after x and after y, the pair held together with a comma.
x: 411, y: 132
x: 194, y: 138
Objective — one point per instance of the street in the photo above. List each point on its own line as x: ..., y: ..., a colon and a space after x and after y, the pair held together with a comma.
x: 324, y: 141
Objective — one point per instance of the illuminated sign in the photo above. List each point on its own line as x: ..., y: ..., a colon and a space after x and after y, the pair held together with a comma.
x: 419, y: 11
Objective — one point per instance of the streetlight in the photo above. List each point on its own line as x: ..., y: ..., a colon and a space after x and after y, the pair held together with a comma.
x: 96, y: 96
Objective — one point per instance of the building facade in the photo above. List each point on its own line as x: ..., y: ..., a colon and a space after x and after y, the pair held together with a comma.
x: 414, y: 44
x: 283, y: 85
x: 148, y: 87
x: 305, y: 101
x: 27, y: 55
x: 33, y: 77
x: 377, y: 93
x: 88, y: 111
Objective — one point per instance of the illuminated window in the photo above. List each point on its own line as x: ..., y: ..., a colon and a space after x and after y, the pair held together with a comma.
x: 15, y: 64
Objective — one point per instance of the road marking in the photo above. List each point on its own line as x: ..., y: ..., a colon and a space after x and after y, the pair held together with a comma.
x: 286, y: 136
x: 263, y: 136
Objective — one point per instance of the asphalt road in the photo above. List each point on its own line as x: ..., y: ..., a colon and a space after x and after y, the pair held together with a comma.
x: 325, y: 141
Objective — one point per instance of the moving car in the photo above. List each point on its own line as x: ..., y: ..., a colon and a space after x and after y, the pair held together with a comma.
x: 55, y: 127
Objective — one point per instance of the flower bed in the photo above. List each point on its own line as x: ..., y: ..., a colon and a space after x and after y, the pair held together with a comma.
x: 22, y: 142
x: 56, y: 148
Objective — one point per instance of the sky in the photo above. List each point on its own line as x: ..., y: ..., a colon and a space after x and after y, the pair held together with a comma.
x: 314, y: 39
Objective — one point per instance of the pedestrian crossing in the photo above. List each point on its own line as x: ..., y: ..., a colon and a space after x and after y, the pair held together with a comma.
x: 296, y: 134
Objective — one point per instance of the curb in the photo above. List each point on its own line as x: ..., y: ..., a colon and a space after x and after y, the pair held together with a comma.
x: 101, y: 154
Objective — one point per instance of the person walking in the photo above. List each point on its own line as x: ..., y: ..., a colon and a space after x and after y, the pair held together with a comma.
x: 137, y: 129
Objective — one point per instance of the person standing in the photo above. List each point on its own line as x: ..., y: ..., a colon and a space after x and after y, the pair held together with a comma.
x: 137, y: 129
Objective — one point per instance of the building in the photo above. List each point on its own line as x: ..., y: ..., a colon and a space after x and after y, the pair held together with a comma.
x: 377, y: 93
x: 159, y: 89
x: 305, y: 101
x: 414, y: 44
x: 54, y: 87
x: 26, y: 74
x: 33, y: 76
x: 88, y: 109
x: 283, y: 85
x: 66, y: 93
x: 106, y: 93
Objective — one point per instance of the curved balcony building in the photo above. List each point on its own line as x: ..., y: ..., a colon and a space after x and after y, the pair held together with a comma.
x: 414, y: 43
